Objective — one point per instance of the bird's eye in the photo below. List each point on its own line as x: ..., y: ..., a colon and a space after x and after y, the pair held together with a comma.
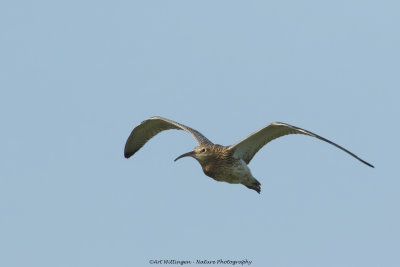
x: 203, y: 150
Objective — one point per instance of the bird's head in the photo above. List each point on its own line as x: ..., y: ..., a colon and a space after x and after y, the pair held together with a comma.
x: 200, y: 153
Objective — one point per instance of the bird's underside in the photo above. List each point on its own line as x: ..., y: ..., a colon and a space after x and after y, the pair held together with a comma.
x: 222, y: 163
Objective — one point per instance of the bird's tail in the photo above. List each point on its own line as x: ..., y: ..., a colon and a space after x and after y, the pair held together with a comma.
x: 255, y: 185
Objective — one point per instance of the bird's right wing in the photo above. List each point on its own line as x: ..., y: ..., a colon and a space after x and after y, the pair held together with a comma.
x: 151, y: 127
x: 248, y: 147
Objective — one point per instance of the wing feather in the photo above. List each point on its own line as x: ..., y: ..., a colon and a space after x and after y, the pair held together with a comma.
x: 151, y: 127
x: 248, y: 147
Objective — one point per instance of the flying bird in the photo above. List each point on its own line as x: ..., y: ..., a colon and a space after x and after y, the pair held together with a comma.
x: 222, y: 163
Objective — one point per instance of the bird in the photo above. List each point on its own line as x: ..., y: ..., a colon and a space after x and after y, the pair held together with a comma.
x: 222, y: 163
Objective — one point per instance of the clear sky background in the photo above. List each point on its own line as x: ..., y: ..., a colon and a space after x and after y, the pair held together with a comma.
x: 77, y: 76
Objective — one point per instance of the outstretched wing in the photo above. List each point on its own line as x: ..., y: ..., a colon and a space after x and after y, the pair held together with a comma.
x: 150, y: 127
x: 248, y: 147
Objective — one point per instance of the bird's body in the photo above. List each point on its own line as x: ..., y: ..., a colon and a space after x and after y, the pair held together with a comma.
x: 222, y: 163
x: 223, y: 166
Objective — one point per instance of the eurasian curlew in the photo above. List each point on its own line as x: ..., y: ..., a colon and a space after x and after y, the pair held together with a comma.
x: 222, y: 163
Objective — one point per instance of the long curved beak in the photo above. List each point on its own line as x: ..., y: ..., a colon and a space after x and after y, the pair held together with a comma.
x: 189, y: 154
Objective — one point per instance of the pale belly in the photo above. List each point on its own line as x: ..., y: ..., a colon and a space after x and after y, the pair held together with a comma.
x: 238, y: 173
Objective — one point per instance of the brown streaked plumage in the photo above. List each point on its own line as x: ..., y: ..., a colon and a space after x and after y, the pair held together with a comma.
x: 222, y: 163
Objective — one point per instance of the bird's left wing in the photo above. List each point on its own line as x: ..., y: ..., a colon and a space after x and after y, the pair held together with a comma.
x: 248, y: 147
x: 150, y: 127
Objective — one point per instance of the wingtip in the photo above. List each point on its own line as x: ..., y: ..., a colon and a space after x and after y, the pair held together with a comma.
x: 128, y: 154
x: 367, y: 163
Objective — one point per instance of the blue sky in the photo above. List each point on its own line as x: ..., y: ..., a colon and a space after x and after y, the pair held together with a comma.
x: 77, y: 76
